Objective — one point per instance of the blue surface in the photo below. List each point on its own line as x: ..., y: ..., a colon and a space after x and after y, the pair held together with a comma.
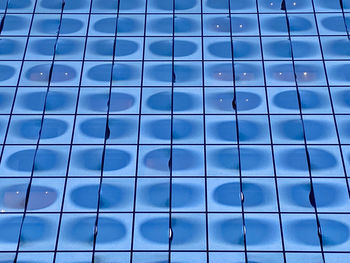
x: 163, y: 80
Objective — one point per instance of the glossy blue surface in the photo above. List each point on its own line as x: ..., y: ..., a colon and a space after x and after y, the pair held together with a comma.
x: 183, y: 131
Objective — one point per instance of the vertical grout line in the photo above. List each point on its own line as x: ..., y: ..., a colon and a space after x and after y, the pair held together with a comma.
x: 234, y: 107
x: 331, y: 101
x: 170, y: 163
x: 138, y: 134
x: 27, y: 195
x: 344, y: 18
x: 2, y: 21
x: 204, y: 138
x: 312, y: 198
x: 18, y: 82
x: 73, y: 133
x: 107, y: 134
x: 271, y: 138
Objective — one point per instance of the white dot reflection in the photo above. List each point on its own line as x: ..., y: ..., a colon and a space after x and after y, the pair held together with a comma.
x: 170, y: 233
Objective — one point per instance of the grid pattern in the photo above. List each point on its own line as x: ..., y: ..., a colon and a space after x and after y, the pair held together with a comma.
x: 152, y: 131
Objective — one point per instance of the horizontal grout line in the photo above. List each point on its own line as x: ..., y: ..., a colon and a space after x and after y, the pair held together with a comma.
x: 175, y: 212
x: 177, y: 60
x: 170, y: 13
x: 176, y: 144
x: 183, y: 251
x: 189, y: 177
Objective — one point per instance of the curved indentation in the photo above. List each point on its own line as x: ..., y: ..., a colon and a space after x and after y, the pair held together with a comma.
x: 19, y: 4
x: 68, y: 26
x: 7, y: 72
x: 329, y: 4
x: 125, y: 25
x: 109, y: 229
x: 219, y: 24
x: 57, y: 4
x: 340, y: 72
x: 64, y: 46
x: 113, y: 4
x: 242, y: 49
x: 345, y: 129
x: 119, y: 101
x: 239, y: 24
x: 4, y: 99
x: 165, y: 25
x: 343, y: 98
x: 320, y: 159
x: 183, y: 72
x: 221, y: 72
x: 40, y: 197
x: 162, y: 101
x: 56, y: 100
x: 161, y: 129
x: 226, y: 130
x: 338, y: 47
x: 289, y: 100
x: 9, y: 47
x: 23, y: 160
x: 335, y: 23
x: 157, y: 230
x: 183, y: 195
x: 297, y: 24
x: 229, y: 194
x: 223, y: 4
x: 61, y: 73
x: 14, y: 22
x: 120, y: 72
x: 259, y: 231
x: 251, y: 159
x: 115, y: 159
x: 96, y: 127
x: 180, y: 5
x: 29, y: 129
x: 183, y: 159
x: 35, y: 228
x: 290, y: 5
x: 305, y: 231
x: 182, y: 48
x: 109, y: 4
x: 304, y: 72
x: 315, y: 130
x: 326, y: 194
x: 123, y: 47
x: 245, y: 101
x: 87, y: 196
x: 224, y: 72
x: 301, y: 49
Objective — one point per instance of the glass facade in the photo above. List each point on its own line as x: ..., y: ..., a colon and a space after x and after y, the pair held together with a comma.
x: 154, y: 131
